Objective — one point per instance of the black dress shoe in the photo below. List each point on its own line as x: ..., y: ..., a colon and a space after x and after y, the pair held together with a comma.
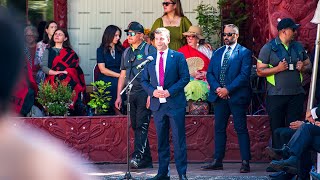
x: 160, y: 177
x: 183, y: 177
x: 215, y: 165
x: 245, y: 167
x: 137, y: 163
x: 288, y: 165
x: 277, y: 154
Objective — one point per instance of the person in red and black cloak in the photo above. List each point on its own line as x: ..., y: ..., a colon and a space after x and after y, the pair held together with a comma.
x: 60, y: 62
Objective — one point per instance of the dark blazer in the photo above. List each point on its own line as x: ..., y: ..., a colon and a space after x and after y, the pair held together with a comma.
x: 175, y: 79
x: 237, y: 74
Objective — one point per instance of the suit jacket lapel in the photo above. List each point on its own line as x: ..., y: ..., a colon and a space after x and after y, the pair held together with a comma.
x: 233, y: 56
x: 220, y: 55
x: 153, y: 67
x: 169, y: 62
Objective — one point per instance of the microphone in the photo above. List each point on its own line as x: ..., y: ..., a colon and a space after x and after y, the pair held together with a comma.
x: 149, y: 59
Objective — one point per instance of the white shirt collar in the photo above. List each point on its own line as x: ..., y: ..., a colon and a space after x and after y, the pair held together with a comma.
x: 165, y: 52
x: 232, y: 46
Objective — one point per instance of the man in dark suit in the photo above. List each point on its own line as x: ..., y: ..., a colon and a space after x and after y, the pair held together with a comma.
x: 164, y: 80
x: 307, y: 137
x: 229, y: 79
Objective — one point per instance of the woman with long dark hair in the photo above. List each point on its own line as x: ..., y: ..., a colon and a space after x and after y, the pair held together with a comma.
x: 60, y: 62
x: 109, y: 59
x: 50, y: 27
x: 174, y: 20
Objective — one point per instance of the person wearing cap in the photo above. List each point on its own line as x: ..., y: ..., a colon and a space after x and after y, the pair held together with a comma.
x: 164, y: 79
x: 229, y: 79
x: 139, y: 100
x: 281, y: 61
x: 196, y: 48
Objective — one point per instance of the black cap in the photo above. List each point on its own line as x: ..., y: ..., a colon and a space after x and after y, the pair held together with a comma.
x: 287, y: 23
x: 135, y: 26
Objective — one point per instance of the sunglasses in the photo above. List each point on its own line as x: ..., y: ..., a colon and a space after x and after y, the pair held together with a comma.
x: 167, y: 3
x: 192, y: 36
x: 227, y: 34
x: 132, y: 33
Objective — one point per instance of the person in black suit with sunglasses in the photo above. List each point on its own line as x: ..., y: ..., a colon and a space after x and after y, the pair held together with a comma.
x: 229, y: 79
x: 139, y: 100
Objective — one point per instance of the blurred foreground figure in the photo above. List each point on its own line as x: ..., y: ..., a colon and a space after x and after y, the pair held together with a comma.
x: 25, y: 153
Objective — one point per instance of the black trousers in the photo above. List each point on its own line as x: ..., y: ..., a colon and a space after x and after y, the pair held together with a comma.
x: 282, y: 110
x: 140, y: 119
x: 282, y: 136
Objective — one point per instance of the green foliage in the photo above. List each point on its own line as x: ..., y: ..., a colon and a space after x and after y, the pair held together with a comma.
x: 3, y: 2
x: 210, y: 22
x: 100, y: 98
x: 196, y: 90
x: 238, y: 12
x: 56, y: 98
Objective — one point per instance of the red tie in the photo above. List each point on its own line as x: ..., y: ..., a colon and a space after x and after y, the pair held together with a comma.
x: 161, y: 70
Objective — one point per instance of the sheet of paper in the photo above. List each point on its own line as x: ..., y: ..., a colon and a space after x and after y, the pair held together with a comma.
x: 161, y: 100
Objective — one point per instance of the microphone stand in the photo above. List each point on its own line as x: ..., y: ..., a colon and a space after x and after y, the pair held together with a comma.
x: 128, y: 91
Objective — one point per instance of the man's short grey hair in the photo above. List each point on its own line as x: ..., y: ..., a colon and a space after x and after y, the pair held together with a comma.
x: 32, y: 29
x: 163, y: 31
x: 234, y: 27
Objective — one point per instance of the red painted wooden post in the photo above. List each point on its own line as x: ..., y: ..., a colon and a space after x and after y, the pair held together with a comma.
x: 61, y: 12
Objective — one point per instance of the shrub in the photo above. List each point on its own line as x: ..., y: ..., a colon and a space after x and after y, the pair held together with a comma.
x: 100, y: 98
x: 55, y: 98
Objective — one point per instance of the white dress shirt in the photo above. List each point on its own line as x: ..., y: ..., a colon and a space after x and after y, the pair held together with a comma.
x: 164, y: 56
x: 313, y: 113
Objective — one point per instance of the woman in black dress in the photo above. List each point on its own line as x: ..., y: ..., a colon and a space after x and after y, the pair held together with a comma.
x: 109, y: 58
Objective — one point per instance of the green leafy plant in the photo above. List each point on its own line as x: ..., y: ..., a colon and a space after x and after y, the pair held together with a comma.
x: 209, y: 20
x: 235, y: 12
x: 100, y: 98
x: 238, y: 11
x: 55, y: 98
x: 196, y: 90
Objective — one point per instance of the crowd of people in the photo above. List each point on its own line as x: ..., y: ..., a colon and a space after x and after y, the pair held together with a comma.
x: 159, y: 90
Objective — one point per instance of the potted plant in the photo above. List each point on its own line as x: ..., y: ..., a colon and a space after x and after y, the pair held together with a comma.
x: 55, y: 98
x: 100, y: 97
x: 196, y: 92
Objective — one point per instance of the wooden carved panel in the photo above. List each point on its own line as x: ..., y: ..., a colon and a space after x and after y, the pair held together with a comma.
x: 61, y: 12
x: 266, y: 14
x: 301, y: 11
x: 104, y: 139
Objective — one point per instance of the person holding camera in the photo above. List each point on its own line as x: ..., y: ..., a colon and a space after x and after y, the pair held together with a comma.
x: 281, y: 61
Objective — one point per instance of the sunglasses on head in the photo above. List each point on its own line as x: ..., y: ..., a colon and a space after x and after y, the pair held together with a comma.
x: 167, y: 3
x: 132, y: 33
x: 228, y: 34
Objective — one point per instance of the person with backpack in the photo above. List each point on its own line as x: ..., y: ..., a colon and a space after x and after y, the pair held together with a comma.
x: 281, y: 61
x: 139, y: 100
